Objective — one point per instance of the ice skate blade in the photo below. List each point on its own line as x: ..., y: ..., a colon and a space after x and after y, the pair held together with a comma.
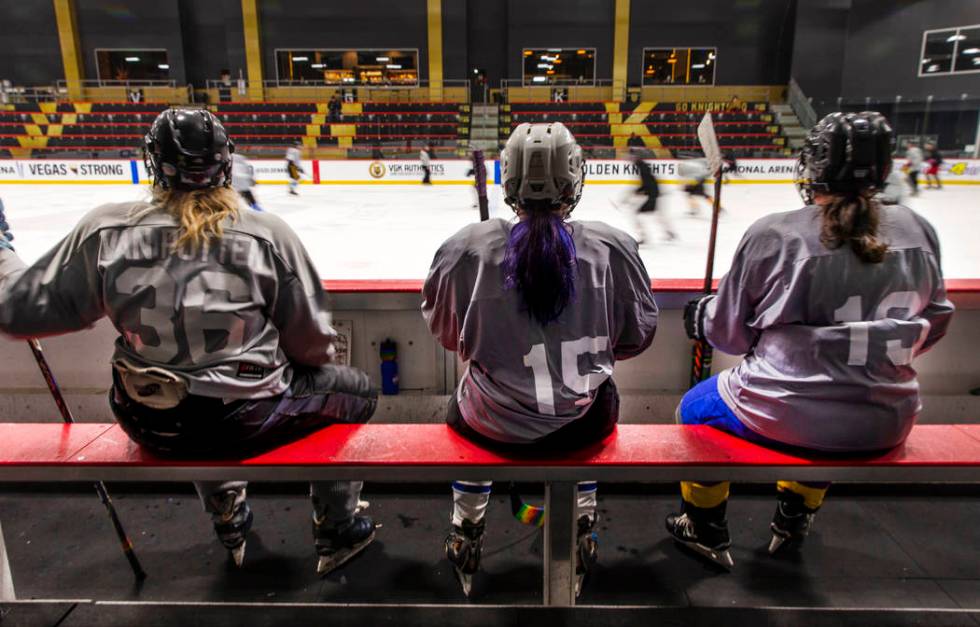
x: 776, y: 542
x: 720, y: 558
x: 579, y: 580
x: 238, y: 554
x: 465, y: 581
x: 327, y: 563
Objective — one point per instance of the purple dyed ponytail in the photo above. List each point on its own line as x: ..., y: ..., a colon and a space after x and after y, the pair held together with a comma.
x: 541, y: 264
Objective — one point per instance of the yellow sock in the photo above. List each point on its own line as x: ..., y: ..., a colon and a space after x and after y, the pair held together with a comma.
x: 704, y: 495
x: 812, y: 497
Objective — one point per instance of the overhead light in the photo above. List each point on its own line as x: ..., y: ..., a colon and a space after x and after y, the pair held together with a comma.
x: 393, y: 66
x: 697, y: 66
x: 132, y: 59
x: 976, y: 61
x: 933, y: 68
x: 559, y: 49
x: 382, y: 59
x: 528, y: 53
x: 476, y: 71
x: 298, y: 59
x: 539, y: 79
x: 924, y: 61
x: 953, y: 38
x: 671, y: 60
x: 711, y: 55
x: 317, y: 66
x: 544, y: 66
x: 163, y: 66
x: 580, y: 52
x: 971, y: 51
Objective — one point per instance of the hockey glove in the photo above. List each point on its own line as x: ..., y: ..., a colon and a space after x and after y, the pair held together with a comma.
x: 694, y: 316
x: 5, y: 235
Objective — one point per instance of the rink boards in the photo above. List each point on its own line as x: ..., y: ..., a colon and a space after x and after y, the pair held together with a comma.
x: 400, y: 172
x: 374, y: 242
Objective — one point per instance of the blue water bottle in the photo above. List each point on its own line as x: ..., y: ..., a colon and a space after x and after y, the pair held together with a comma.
x: 389, y: 367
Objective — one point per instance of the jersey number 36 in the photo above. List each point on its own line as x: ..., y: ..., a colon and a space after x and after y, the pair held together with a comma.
x: 197, y: 316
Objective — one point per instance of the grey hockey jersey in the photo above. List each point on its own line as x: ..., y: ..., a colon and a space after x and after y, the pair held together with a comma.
x: 242, y: 173
x: 828, y: 340
x: 228, y: 319
x: 523, y: 380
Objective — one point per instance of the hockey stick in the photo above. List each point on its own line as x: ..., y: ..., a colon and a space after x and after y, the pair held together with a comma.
x: 59, y: 400
x: 702, y: 352
x: 480, y: 174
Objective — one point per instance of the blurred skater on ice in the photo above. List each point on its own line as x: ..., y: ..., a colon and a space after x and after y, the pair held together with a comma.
x: 934, y: 160
x: 649, y: 191
x: 696, y: 172
x: 243, y: 180
x: 294, y: 167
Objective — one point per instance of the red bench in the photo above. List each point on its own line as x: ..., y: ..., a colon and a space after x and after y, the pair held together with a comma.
x: 52, y: 452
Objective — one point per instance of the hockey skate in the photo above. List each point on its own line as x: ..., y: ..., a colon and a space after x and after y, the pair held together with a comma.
x: 232, y: 530
x: 705, y: 533
x: 587, y: 552
x: 464, y: 546
x: 335, y: 546
x: 791, y: 523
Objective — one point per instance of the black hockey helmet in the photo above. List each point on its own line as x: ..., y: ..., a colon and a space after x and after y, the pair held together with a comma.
x: 845, y: 153
x: 188, y: 149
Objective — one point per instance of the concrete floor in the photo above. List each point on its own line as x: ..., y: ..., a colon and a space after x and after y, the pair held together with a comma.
x: 866, y: 551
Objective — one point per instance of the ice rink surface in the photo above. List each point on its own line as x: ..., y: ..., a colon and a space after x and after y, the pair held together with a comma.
x: 392, y: 231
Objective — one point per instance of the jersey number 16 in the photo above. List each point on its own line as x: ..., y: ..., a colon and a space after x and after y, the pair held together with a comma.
x: 860, y: 330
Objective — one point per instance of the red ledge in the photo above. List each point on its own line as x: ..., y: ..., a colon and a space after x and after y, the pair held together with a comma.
x: 408, y: 286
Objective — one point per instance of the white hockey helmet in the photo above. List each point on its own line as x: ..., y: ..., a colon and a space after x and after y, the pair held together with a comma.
x: 542, y: 162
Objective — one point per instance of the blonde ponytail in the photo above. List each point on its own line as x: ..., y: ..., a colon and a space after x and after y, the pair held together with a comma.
x: 200, y: 212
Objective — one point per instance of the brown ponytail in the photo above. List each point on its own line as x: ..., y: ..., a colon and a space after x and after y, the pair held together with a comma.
x: 853, y: 219
x: 200, y: 212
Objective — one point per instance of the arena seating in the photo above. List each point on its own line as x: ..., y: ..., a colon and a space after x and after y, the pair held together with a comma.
x: 260, y: 129
x: 49, y: 452
x: 390, y: 129
x: 667, y: 129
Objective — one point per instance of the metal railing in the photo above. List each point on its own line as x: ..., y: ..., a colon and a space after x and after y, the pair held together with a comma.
x: 19, y: 95
x: 954, y: 122
x: 802, y: 106
x: 590, y: 82
x: 98, y: 82
x: 519, y: 90
x: 422, y: 91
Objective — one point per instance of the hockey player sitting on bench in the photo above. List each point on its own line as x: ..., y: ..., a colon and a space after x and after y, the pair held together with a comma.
x: 829, y: 304
x: 540, y: 309
x: 224, y: 346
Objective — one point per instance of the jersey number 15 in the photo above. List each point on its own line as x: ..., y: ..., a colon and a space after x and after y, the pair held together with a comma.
x: 544, y: 389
